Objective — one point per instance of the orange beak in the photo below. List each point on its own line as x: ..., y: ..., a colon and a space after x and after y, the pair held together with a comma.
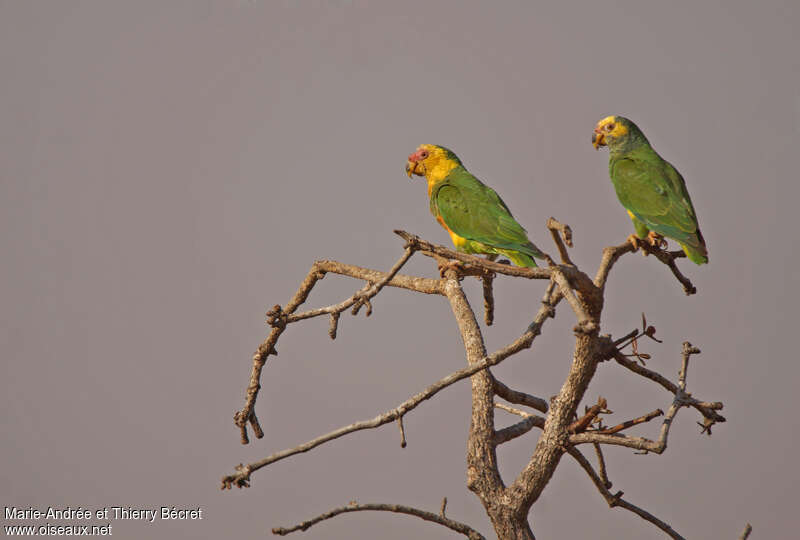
x: 598, y: 139
x: 413, y: 165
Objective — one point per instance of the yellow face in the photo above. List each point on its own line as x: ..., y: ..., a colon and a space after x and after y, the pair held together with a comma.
x: 429, y: 161
x: 607, y: 127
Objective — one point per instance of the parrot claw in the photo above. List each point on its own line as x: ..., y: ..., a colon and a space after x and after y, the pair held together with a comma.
x: 653, y: 240
x: 656, y: 240
x: 635, y: 241
x: 452, y: 264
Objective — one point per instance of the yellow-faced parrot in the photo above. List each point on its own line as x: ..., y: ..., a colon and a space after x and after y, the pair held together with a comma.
x: 475, y: 216
x: 652, y: 191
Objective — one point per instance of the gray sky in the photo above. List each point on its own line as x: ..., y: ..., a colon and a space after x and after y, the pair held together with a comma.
x: 170, y: 170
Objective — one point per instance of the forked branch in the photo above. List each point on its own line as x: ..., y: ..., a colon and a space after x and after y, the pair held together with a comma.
x: 616, y: 499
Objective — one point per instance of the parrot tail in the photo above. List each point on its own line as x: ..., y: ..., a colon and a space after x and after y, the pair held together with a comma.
x: 697, y: 252
x: 520, y: 259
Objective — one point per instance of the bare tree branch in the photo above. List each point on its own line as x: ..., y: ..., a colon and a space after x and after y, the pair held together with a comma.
x: 488, y: 298
x: 555, y: 227
x: 708, y: 410
x: 519, y: 398
x: 358, y: 299
x: 402, y: 432
x: 746, y: 532
x: 612, y: 254
x: 585, y: 322
x: 601, y: 466
x: 586, y: 420
x: 616, y: 499
x: 682, y: 399
x: 630, y: 423
x: 242, y: 476
x: 456, y: 526
x: 279, y: 317
x: 520, y: 428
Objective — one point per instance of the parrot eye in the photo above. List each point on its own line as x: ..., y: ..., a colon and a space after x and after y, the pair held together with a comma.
x: 609, y: 127
x: 423, y: 154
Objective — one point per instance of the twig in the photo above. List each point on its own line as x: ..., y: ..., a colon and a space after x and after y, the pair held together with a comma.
x: 529, y: 422
x: 585, y: 323
x: 334, y: 325
x: 586, y: 420
x: 612, y: 254
x: 709, y: 412
x: 461, y: 528
x: 601, y: 466
x: 746, y: 532
x: 617, y: 500
x: 402, y: 432
x: 520, y: 343
x: 555, y: 227
x: 358, y: 299
x: 519, y: 398
x: 681, y: 399
x: 279, y: 318
x: 443, y: 508
x: 625, y: 425
x: 488, y: 298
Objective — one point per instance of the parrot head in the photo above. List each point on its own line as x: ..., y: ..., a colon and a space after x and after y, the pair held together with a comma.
x: 609, y: 129
x: 427, y: 159
x: 618, y: 133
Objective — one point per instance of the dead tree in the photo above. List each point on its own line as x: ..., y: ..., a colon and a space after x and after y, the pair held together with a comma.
x: 562, y: 431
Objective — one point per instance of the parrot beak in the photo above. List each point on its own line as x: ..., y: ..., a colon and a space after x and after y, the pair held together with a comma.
x: 413, y: 165
x: 598, y: 139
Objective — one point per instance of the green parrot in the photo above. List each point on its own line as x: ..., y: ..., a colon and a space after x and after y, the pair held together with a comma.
x: 652, y: 191
x: 475, y: 216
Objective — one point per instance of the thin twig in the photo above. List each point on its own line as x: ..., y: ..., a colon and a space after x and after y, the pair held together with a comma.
x: 488, y: 298
x: 519, y: 398
x: 630, y: 423
x: 443, y: 508
x: 555, y: 227
x: 584, y: 321
x: 617, y: 500
x: 681, y: 399
x: 601, y: 466
x: 703, y: 407
x: 402, y: 432
x: 280, y: 317
x: 746, y: 532
x: 612, y: 254
x: 513, y: 431
x: 586, y: 420
x: 239, y: 479
x: 334, y: 325
x: 360, y: 298
x: 456, y: 526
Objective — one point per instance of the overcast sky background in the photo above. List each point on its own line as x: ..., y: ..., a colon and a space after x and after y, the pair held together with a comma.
x: 170, y: 170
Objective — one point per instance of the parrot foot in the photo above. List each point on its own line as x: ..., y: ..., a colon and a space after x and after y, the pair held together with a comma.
x: 451, y: 264
x: 635, y: 241
x: 653, y: 239
x: 656, y: 240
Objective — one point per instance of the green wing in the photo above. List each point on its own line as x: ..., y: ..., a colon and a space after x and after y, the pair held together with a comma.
x: 656, y: 194
x: 474, y: 211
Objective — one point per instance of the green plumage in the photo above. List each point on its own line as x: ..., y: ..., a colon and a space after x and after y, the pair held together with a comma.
x: 477, y: 214
x: 653, y: 191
